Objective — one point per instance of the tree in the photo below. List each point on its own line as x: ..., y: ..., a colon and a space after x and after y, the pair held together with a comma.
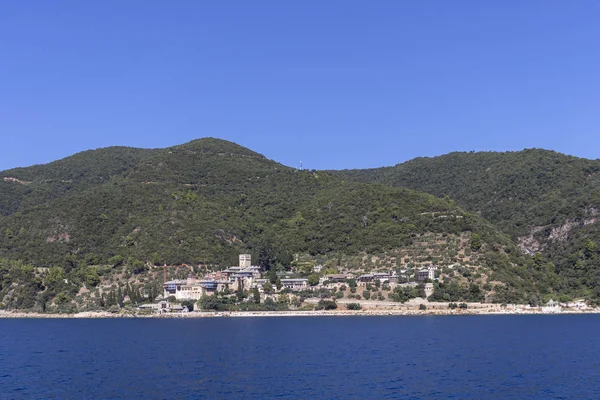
x: 188, y: 303
x: 283, y: 298
x: 55, y: 276
x: 240, y: 290
x: 272, y: 276
x: 256, y: 295
x: 116, y: 261
x: 136, y: 266
x: 591, y: 248
x: 367, y: 295
x: 313, y: 280
x: 475, y: 242
x: 267, y: 287
x: 91, y: 276
x: 353, y: 306
x: 213, y: 303
x: 326, y: 305
x: 266, y: 258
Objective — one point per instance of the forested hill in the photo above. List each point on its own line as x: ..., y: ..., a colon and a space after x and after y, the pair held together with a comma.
x: 547, y: 201
x: 514, y: 190
x: 204, y: 202
x: 208, y: 200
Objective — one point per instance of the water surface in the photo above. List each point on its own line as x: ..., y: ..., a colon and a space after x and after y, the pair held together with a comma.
x: 428, y: 357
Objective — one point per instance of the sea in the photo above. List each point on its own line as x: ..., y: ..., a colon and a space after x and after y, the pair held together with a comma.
x: 395, y: 357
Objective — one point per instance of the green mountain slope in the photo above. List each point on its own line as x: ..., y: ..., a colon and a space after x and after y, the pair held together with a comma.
x: 208, y: 200
x: 548, y: 202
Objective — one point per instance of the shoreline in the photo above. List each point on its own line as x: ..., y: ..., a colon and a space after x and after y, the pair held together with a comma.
x: 247, y: 314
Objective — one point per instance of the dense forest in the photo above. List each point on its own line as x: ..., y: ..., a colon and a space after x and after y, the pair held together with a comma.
x: 204, y: 202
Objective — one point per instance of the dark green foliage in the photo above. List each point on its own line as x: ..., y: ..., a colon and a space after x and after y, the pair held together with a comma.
x: 215, y: 303
x: 255, y: 295
x: 326, y: 305
x: 475, y: 242
x: 27, y: 284
x: 403, y: 294
x: 354, y: 306
x: 189, y: 304
x: 91, y: 277
x: 220, y: 303
x: 454, y: 292
x: 313, y: 280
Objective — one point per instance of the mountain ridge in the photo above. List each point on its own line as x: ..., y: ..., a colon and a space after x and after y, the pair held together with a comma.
x: 208, y: 200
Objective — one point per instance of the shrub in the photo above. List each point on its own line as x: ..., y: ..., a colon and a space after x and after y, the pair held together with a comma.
x: 354, y: 306
x: 367, y: 295
x: 463, y: 306
x: 422, y: 307
x: 326, y: 305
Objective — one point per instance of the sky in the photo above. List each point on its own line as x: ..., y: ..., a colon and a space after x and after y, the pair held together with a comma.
x: 335, y: 84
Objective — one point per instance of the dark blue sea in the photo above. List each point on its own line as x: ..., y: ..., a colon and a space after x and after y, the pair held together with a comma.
x: 451, y: 357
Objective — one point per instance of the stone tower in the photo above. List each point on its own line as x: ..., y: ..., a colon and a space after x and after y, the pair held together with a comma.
x: 245, y: 260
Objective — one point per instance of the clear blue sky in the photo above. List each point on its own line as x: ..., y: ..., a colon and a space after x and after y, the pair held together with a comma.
x: 337, y: 84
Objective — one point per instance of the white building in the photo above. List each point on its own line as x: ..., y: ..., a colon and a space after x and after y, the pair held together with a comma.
x: 245, y: 260
x: 192, y: 288
x: 294, y: 283
x: 427, y: 273
x: 428, y: 289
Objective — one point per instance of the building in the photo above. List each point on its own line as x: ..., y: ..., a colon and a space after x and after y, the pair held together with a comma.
x: 427, y: 273
x: 294, y: 283
x: 171, y: 288
x: 163, y: 307
x: 192, y: 288
x: 428, y: 289
x: 336, y: 278
x: 382, y: 277
x: 245, y: 260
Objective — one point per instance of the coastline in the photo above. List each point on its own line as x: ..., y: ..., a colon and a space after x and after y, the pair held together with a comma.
x: 332, y: 313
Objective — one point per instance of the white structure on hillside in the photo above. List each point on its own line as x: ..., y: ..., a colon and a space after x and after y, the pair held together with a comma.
x: 428, y: 289
x: 427, y: 273
x: 245, y: 260
x: 294, y: 283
